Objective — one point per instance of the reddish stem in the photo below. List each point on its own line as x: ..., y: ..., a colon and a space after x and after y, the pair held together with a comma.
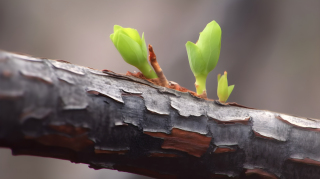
x: 154, y: 63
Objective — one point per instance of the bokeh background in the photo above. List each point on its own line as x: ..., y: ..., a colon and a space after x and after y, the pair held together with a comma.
x: 271, y: 50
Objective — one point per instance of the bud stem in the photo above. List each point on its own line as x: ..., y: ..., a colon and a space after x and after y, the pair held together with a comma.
x: 201, y: 84
x: 147, y: 71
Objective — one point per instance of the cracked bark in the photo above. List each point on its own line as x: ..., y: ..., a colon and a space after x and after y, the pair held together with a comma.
x: 56, y: 109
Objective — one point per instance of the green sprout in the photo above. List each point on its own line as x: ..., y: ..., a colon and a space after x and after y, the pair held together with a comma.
x: 204, y: 55
x: 133, y: 49
x: 224, y: 90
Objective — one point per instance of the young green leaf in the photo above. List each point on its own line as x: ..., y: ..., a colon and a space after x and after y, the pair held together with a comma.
x: 230, y: 89
x: 194, y: 56
x: 210, y: 44
x: 204, y: 55
x: 133, y: 49
x: 224, y: 90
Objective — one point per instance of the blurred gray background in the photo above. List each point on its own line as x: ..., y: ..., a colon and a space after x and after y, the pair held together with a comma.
x: 271, y: 50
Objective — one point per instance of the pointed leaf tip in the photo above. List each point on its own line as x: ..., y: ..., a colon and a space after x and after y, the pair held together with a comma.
x: 111, y: 37
x: 116, y: 28
x: 133, y: 34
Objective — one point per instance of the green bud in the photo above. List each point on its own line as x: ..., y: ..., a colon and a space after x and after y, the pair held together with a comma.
x: 224, y: 90
x: 204, y: 55
x: 133, y: 49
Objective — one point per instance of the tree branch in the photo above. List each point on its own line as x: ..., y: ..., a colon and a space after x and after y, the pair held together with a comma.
x: 56, y: 109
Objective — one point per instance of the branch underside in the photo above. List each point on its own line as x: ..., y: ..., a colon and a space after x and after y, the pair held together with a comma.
x: 56, y: 109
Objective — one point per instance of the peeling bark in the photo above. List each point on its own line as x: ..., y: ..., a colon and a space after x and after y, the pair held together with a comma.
x: 56, y: 109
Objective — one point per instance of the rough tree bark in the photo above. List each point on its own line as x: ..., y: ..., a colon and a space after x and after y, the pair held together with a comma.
x: 56, y: 109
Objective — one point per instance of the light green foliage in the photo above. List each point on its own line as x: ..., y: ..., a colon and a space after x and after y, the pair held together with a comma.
x: 133, y: 49
x: 224, y: 90
x: 204, y: 55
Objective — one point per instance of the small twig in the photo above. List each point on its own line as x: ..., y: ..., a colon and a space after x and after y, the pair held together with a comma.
x: 153, y: 60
